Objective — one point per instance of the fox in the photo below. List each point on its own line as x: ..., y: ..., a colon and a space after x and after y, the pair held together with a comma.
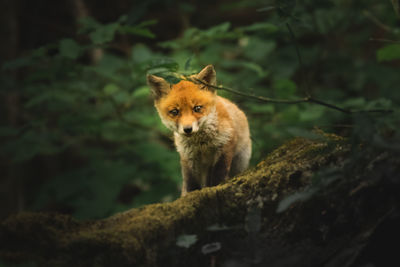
x: 211, y: 134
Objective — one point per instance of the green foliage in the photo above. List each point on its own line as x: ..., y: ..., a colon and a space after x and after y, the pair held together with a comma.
x: 102, y: 116
x: 389, y: 52
x: 101, y: 34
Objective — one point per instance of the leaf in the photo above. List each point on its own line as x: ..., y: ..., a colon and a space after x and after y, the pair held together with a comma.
x: 28, y: 60
x: 290, y: 114
x: 172, y: 79
x: 163, y: 67
x: 286, y: 7
x: 167, y: 63
x: 141, y: 53
x: 221, y: 28
x: 69, y: 48
x: 396, y: 6
x: 285, y: 88
x: 253, y: 220
x: 356, y: 102
x: 141, y: 92
x: 265, y: 27
x: 134, y: 30
x: 388, y: 53
x: 218, y: 227
x: 17, y: 63
x: 285, y: 203
x: 211, y: 248
x: 256, y: 68
x: 104, y: 34
x: 88, y: 24
x: 242, y: 64
x: 321, y: 179
x: 187, y: 63
x: 147, y: 23
x: 258, y: 49
x: 110, y: 89
x: 186, y: 241
x: 262, y: 108
x: 299, y: 132
x: 8, y: 131
x: 380, y: 103
x: 47, y: 98
x: 121, y: 97
x: 312, y: 113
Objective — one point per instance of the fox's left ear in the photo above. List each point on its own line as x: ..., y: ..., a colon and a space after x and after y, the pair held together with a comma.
x: 208, y: 75
x: 158, y: 86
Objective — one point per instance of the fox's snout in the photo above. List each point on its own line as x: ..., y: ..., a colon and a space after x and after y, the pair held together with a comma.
x: 187, y: 130
x: 188, y: 127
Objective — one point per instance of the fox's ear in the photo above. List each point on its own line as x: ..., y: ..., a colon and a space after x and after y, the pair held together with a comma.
x: 158, y: 86
x: 208, y: 75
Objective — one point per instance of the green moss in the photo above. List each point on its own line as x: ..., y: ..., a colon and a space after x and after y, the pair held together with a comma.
x: 134, y: 237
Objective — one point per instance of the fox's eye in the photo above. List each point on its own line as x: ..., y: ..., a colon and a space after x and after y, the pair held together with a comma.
x: 174, y: 112
x: 197, y: 108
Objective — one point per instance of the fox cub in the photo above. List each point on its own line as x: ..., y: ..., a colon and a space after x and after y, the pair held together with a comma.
x: 211, y: 133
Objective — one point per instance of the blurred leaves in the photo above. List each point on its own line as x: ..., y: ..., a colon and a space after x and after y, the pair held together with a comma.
x: 389, y: 52
x: 69, y: 49
x: 104, y: 33
x: 396, y: 6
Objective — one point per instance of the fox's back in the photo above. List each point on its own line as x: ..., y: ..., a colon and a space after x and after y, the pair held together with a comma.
x: 236, y: 117
x: 241, y: 142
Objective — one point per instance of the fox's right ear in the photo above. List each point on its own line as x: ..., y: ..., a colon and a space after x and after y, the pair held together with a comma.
x: 158, y: 86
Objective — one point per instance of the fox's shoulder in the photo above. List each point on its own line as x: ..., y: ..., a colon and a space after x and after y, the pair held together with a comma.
x: 231, y: 114
x: 225, y: 107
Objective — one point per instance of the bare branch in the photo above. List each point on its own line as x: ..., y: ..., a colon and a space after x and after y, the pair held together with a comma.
x: 384, y: 40
x: 377, y: 22
x: 308, y: 99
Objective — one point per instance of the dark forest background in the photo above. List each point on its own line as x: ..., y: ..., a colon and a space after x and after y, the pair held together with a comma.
x: 78, y: 130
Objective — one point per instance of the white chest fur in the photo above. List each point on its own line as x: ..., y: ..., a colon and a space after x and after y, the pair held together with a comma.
x: 206, y: 142
x: 202, y: 150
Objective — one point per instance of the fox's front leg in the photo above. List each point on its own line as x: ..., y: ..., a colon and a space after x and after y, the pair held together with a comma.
x: 189, y: 182
x: 220, y: 171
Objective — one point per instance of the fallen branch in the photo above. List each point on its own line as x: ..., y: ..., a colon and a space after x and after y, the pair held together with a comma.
x: 228, y: 224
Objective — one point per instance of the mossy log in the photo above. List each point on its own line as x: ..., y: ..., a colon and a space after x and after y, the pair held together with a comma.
x: 235, y: 223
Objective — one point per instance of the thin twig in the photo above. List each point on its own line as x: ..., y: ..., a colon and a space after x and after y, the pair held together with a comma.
x: 307, y: 99
x: 305, y: 78
x: 384, y: 40
x: 261, y: 98
x: 377, y: 22
x: 322, y: 103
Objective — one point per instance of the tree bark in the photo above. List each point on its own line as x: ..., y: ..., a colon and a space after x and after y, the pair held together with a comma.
x: 342, y: 220
x: 11, y: 199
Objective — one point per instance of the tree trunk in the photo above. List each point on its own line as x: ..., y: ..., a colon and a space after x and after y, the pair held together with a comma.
x: 342, y: 220
x: 11, y: 199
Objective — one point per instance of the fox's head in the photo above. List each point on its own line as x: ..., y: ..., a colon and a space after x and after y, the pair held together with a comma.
x: 185, y: 107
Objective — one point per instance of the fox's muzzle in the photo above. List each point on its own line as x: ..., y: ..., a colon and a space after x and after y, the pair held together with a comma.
x: 188, y: 129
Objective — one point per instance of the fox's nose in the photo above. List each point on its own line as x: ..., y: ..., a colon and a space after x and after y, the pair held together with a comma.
x: 188, y: 130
